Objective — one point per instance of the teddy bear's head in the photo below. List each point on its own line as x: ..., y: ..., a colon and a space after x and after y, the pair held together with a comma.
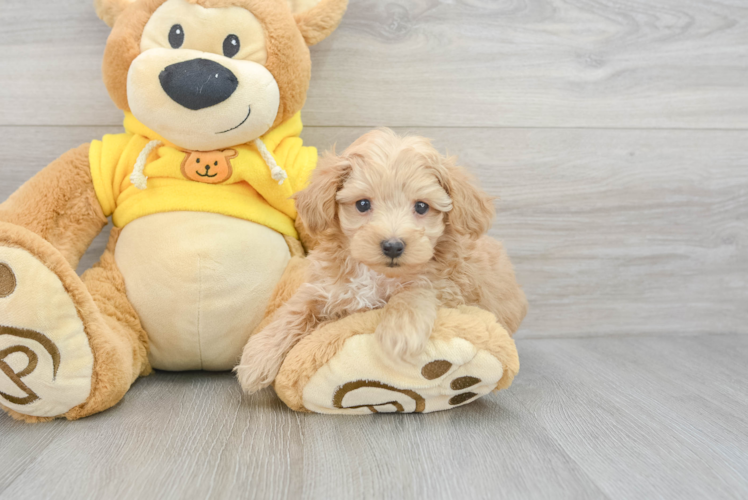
x: 210, y: 74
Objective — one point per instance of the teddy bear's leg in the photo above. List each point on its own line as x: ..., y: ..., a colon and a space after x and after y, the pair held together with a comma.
x: 67, y: 349
x: 59, y: 354
x: 120, y: 349
x: 341, y: 367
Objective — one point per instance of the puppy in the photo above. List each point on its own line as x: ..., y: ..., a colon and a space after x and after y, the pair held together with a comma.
x: 397, y: 226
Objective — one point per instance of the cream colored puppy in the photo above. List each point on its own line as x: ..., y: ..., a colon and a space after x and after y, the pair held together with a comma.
x: 397, y: 226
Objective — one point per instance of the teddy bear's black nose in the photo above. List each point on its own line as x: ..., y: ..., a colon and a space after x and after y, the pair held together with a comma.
x: 198, y: 83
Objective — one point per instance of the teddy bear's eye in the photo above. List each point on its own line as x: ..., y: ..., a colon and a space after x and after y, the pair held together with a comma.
x: 176, y: 36
x: 231, y: 46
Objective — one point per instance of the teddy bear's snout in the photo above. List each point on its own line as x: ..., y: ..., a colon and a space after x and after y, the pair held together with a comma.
x: 198, y: 83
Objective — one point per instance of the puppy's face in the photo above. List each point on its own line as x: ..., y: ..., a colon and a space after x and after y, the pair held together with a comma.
x: 392, y: 211
x: 390, y: 200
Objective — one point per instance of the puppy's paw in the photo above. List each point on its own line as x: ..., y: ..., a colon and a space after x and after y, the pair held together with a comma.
x: 403, y: 344
x: 256, y: 371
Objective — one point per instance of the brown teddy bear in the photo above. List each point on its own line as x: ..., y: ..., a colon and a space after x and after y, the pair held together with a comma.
x: 199, y: 190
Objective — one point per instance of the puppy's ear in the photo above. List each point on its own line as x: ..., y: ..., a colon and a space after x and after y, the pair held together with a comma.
x: 109, y: 10
x: 472, y: 209
x: 317, y: 19
x: 316, y: 205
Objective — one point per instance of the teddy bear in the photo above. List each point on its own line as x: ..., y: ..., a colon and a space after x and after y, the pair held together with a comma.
x: 199, y: 191
x: 205, y: 245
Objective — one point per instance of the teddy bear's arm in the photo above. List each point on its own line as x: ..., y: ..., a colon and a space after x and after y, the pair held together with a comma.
x: 60, y: 205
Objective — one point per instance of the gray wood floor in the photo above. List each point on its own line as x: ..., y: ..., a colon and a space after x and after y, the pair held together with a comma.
x: 615, y: 134
x: 608, y: 417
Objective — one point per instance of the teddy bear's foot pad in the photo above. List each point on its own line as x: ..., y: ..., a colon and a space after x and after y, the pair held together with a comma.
x: 362, y: 380
x: 46, y: 362
x: 342, y: 369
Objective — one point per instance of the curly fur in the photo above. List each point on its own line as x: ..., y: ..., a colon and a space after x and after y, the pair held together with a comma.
x: 448, y: 260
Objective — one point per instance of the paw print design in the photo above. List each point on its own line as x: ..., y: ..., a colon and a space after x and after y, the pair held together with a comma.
x: 211, y: 167
x: 438, y: 368
x: 46, y: 363
x: 28, y: 395
x: 7, y: 280
x: 431, y: 371
x: 361, y: 379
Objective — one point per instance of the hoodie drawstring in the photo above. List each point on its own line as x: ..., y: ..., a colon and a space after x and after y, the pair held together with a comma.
x: 140, y: 181
x: 276, y: 171
x: 138, y: 178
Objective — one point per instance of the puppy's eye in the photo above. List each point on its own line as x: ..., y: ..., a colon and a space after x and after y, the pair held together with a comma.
x: 231, y: 46
x: 421, y: 208
x: 363, y: 206
x: 176, y: 36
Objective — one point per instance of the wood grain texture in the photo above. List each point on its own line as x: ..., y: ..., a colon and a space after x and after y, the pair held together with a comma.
x: 613, y: 418
x: 623, y: 215
x: 21, y: 445
x: 497, y: 63
x: 643, y: 406
x: 611, y: 231
x: 173, y: 436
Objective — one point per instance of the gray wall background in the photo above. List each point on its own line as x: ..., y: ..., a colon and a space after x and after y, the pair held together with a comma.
x: 615, y: 135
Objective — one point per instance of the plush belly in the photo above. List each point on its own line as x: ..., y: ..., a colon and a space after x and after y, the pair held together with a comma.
x: 200, y: 283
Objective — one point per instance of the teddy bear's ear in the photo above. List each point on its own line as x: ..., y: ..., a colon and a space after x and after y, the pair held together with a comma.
x: 109, y: 10
x: 317, y: 19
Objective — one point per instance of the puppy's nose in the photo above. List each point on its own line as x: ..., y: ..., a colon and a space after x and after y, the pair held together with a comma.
x: 198, y: 83
x: 393, y: 248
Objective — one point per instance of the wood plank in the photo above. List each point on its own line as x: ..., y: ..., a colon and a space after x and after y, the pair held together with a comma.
x: 51, y: 64
x: 611, y: 231
x: 489, y: 449
x: 192, y: 435
x: 616, y: 418
x: 174, y: 436
x: 22, y: 444
x: 537, y: 63
x: 645, y: 418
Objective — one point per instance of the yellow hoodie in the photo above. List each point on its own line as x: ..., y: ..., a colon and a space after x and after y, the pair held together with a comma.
x: 250, y: 193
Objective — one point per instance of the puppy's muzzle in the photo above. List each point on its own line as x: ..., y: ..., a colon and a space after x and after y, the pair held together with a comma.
x: 393, y: 248
x: 198, y: 83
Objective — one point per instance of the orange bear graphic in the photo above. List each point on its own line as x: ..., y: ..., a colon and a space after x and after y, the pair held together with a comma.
x: 210, y: 167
